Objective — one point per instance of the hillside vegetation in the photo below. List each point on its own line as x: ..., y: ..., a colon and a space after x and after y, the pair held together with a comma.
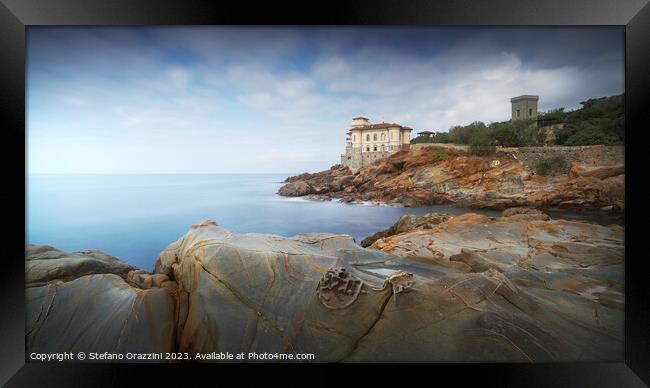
x: 598, y: 121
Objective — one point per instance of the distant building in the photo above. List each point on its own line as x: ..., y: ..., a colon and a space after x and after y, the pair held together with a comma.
x: 524, y: 107
x: 426, y: 134
x: 367, y: 142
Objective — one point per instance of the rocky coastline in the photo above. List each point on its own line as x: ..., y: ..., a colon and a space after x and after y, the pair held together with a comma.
x: 519, y: 288
x: 437, y: 175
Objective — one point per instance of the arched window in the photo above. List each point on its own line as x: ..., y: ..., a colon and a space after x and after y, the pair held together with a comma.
x: 368, y: 149
x: 383, y: 136
x: 368, y: 137
x: 374, y: 137
x: 375, y: 146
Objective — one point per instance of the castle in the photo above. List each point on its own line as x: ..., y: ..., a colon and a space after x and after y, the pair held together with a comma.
x: 524, y: 107
x: 366, y: 142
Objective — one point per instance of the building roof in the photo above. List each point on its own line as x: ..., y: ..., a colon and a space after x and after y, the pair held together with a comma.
x: 378, y: 126
x: 425, y: 133
x: 360, y: 117
x: 524, y: 97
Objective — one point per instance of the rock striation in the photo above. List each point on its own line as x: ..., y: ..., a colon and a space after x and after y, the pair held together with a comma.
x: 82, y: 301
x: 426, y: 176
x: 407, y: 223
x: 465, y: 288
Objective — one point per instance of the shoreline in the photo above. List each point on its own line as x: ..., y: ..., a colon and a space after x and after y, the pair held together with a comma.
x: 593, y: 212
x: 516, y: 270
x: 422, y: 176
x: 552, y: 213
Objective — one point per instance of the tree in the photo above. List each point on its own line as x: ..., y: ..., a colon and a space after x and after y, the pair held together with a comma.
x: 463, y: 134
x: 503, y: 134
x: 441, y: 137
x: 599, y: 121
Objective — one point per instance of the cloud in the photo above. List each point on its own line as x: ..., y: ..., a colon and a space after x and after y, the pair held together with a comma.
x: 280, y: 100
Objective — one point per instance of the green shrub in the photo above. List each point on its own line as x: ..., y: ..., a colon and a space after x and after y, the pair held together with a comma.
x: 528, y: 135
x: 441, y: 153
x: 559, y: 115
x: 591, y: 136
x: 482, y: 144
x: 441, y: 137
x: 422, y: 139
x: 464, y: 134
x: 482, y: 149
x: 503, y: 134
x: 599, y: 121
x: 553, y: 164
x: 438, y: 137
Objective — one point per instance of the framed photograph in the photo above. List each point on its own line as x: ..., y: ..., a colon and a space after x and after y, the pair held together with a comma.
x: 448, y: 184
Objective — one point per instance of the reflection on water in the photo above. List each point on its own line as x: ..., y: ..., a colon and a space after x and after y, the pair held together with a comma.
x: 134, y: 217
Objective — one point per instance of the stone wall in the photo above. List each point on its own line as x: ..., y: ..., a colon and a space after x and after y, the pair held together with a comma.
x: 356, y: 159
x: 529, y: 156
x: 460, y: 147
x: 587, y: 155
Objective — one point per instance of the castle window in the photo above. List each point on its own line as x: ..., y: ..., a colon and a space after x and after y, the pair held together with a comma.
x: 374, y: 137
x: 367, y: 137
x: 518, y: 112
x: 530, y: 112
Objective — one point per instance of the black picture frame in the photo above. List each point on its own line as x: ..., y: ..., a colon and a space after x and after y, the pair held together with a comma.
x: 15, y: 15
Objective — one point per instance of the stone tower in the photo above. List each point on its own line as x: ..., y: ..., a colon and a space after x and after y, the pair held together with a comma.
x: 524, y: 107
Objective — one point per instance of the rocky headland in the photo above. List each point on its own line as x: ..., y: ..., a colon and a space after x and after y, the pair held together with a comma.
x: 520, y: 287
x: 593, y: 178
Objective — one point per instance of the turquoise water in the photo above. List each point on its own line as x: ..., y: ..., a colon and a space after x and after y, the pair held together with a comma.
x: 134, y: 217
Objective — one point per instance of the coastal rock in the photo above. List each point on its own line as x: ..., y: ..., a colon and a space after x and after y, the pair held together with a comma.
x: 406, y: 223
x: 600, y: 172
x: 525, y: 213
x: 563, y: 274
x: 295, y: 189
x: 426, y: 176
x: 44, y: 263
x: 90, y: 308
x: 255, y: 292
x: 335, y: 179
x: 465, y: 288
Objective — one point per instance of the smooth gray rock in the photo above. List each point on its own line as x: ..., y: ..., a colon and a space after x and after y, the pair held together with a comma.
x: 44, y: 263
x: 469, y: 288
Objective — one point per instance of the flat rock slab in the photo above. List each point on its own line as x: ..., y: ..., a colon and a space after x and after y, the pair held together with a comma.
x: 44, y: 263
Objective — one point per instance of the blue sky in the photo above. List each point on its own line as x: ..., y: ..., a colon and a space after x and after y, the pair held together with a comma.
x: 242, y: 99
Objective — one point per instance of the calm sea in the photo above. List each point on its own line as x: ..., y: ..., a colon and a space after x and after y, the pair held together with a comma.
x: 133, y: 217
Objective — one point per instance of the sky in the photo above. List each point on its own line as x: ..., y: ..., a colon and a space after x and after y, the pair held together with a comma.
x: 280, y: 100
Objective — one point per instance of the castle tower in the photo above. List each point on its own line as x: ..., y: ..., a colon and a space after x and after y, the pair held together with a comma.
x: 359, y: 121
x: 524, y: 107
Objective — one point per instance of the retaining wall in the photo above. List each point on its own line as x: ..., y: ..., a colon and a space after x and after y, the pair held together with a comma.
x: 529, y: 156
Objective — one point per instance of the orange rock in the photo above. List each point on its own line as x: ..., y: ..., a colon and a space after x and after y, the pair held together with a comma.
x: 419, y: 177
x: 600, y: 172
